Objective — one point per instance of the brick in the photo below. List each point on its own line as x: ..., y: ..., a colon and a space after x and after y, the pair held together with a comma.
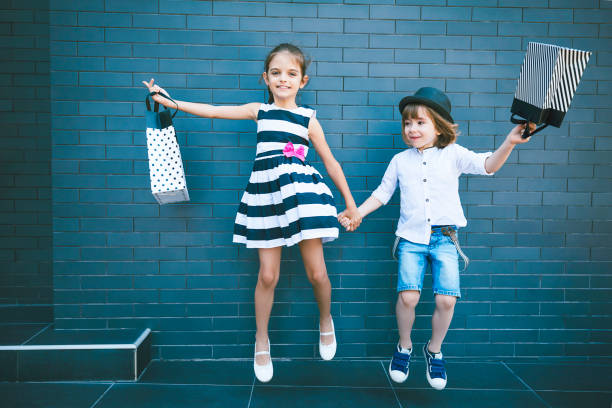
x: 159, y: 21
x: 447, y: 70
x: 369, y: 26
x: 264, y: 23
x: 445, y: 42
x: 211, y: 23
x: 470, y: 57
x: 104, y: 49
x: 185, y: 37
x: 496, y: 43
x: 185, y: 65
x: 281, y: 10
x: 344, y: 40
x: 445, y: 13
x: 592, y: 16
x: 472, y: 28
x: 131, y: 35
x: 555, y: 198
x: 496, y: 14
x: 240, y: 9
x: 185, y: 6
x: 78, y: 63
x: 393, y: 12
x: 104, y: 19
x: 572, y: 30
x: 318, y: 25
x: 521, y: 198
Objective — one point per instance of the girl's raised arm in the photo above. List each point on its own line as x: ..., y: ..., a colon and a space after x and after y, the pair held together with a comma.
x: 248, y: 111
x: 317, y: 137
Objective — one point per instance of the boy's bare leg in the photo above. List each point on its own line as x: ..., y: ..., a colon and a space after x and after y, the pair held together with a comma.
x: 441, y: 320
x: 404, y: 312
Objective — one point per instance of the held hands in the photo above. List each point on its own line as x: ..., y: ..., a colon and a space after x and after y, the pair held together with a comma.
x: 156, y: 88
x: 516, y: 134
x: 350, y: 218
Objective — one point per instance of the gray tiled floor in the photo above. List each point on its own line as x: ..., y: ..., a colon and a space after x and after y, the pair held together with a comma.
x: 339, y: 383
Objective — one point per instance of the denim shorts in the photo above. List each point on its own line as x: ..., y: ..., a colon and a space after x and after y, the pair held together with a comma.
x: 441, y: 254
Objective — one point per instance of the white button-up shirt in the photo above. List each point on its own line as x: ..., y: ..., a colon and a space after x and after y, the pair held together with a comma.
x: 429, y: 188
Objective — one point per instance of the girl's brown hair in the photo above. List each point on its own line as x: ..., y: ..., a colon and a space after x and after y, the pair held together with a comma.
x: 448, y: 131
x: 303, y: 62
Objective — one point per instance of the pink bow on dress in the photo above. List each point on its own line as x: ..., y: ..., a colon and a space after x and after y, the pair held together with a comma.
x: 289, y: 151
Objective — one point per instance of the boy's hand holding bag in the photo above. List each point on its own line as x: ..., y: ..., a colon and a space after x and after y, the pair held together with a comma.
x: 165, y: 164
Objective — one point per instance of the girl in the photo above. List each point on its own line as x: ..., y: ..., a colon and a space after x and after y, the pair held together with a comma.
x: 430, y: 212
x: 286, y: 201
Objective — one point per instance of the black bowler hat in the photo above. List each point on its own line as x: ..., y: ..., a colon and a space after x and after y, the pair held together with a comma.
x: 432, y: 98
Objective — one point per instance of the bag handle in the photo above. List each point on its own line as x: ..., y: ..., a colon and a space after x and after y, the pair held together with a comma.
x: 156, y: 105
x: 526, y: 133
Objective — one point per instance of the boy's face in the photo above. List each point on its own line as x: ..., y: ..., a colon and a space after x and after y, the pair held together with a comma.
x: 284, y: 77
x: 420, y: 132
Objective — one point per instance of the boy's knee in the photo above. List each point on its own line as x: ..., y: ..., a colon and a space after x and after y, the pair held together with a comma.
x: 445, y: 302
x: 409, y: 298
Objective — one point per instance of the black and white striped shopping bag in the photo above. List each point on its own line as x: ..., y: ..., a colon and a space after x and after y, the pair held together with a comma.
x: 549, y: 77
x: 168, y: 183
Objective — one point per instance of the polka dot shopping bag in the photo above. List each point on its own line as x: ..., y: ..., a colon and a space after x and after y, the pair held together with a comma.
x: 165, y: 164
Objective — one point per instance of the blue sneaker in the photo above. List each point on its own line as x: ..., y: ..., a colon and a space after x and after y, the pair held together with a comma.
x: 435, y: 372
x: 399, y: 366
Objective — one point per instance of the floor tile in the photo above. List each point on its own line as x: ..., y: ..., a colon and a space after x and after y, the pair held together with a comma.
x: 199, y: 372
x: 329, y: 373
x: 482, y: 376
x: 175, y: 396
x: 322, y: 397
x: 430, y: 398
x: 565, y: 377
x: 14, y: 334
x: 584, y: 399
x: 50, y: 395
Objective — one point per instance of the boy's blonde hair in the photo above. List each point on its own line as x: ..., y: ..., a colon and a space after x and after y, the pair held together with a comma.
x: 448, y: 131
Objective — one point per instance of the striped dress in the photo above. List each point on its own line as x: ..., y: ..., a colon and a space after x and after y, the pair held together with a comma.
x: 286, y: 199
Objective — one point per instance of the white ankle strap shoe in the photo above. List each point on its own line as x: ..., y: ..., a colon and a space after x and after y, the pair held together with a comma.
x: 327, y: 351
x: 263, y: 372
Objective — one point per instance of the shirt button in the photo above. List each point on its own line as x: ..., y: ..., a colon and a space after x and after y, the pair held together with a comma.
x: 427, y: 200
x: 424, y: 162
x: 428, y: 220
x: 424, y: 180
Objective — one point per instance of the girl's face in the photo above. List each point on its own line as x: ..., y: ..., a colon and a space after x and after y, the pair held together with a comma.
x: 284, y: 78
x: 420, y: 132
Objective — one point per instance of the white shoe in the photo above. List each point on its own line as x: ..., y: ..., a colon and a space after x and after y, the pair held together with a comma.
x: 327, y: 351
x: 263, y: 372
x: 399, y: 367
x: 435, y: 364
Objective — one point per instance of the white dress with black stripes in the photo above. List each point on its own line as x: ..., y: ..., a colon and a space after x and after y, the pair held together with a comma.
x: 286, y: 199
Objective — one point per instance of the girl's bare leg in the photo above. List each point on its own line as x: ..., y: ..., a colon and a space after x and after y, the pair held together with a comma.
x: 314, y: 263
x: 269, y: 271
